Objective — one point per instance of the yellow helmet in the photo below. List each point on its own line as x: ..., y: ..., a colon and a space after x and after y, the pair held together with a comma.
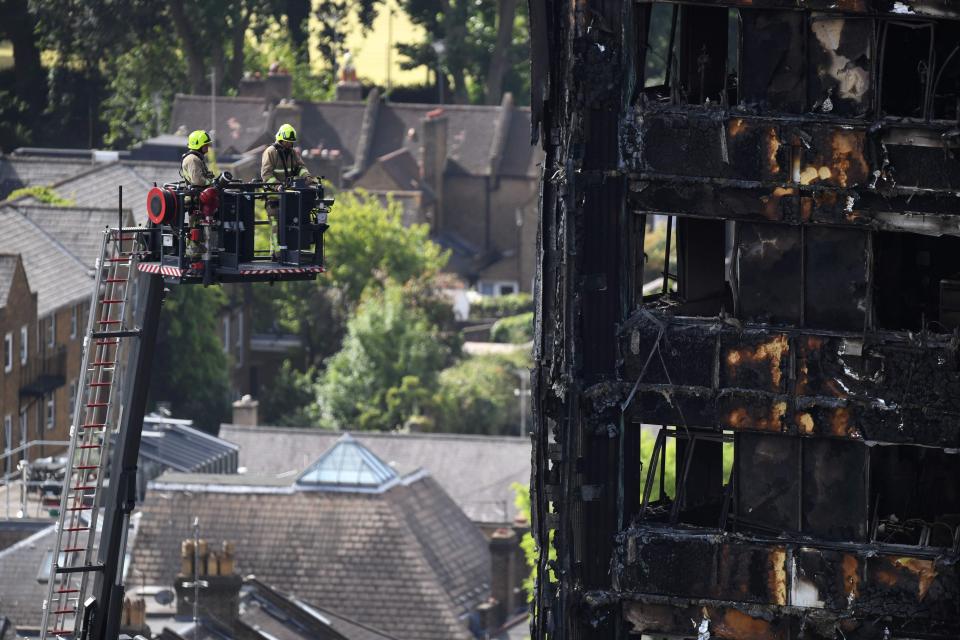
x: 286, y: 133
x: 198, y: 139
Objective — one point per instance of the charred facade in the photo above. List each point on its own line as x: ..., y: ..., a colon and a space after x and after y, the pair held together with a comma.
x: 766, y: 445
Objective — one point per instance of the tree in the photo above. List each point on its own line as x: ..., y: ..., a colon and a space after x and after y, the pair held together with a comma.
x: 290, y: 398
x: 476, y: 395
x: 190, y: 367
x: 368, y: 242
x: 388, y: 364
x: 485, y: 46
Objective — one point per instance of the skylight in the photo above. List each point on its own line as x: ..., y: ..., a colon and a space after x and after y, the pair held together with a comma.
x: 348, y: 465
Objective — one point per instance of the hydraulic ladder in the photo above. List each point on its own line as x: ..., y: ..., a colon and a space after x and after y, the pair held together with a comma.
x: 97, y: 414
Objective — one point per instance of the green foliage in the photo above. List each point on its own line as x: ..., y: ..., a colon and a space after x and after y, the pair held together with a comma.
x: 190, y: 367
x: 274, y: 45
x: 654, y: 246
x: 44, y: 194
x: 521, y: 499
x: 290, y: 398
x: 476, y: 395
x: 502, y: 306
x: 468, y: 31
x: 389, y: 359
x: 142, y: 82
x: 516, y: 329
x: 367, y: 242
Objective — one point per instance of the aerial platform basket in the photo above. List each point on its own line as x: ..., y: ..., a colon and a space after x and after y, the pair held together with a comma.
x: 206, y: 235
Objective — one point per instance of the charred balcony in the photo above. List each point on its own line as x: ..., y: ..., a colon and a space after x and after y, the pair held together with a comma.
x: 44, y: 373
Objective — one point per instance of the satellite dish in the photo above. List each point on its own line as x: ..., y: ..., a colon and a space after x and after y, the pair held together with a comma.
x: 164, y: 597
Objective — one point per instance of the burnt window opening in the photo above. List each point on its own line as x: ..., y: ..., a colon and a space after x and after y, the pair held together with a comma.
x: 661, y: 24
x: 839, y: 65
x: 690, y: 54
x: 945, y: 94
x: 802, y: 276
x: 917, y: 282
x: 686, y: 264
x: 915, y: 496
x: 686, y: 475
x: 774, y: 49
x: 906, y: 61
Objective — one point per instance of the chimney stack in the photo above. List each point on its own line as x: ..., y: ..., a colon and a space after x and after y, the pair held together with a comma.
x: 433, y: 158
x: 245, y: 411
x: 220, y: 597
x: 506, y: 571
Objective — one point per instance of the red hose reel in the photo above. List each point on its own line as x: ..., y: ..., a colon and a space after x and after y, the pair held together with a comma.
x: 161, y: 206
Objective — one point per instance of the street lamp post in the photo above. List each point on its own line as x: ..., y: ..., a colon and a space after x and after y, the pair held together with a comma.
x: 439, y: 47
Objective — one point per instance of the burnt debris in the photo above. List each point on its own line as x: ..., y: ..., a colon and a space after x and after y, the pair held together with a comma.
x: 765, y: 441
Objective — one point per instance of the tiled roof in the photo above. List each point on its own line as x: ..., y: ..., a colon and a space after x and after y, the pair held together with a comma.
x: 78, y: 229
x: 240, y: 121
x: 406, y: 561
x: 57, y: 276
x: 336, y: 125
x: 98, y: 187
x: 8, y: 268
x: 16, y: 172
x: 333, y: 125
x: 21, y: 594
x: 476, y: 471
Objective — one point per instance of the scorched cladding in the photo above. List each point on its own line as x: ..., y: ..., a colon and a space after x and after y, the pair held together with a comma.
x: 748, y: 382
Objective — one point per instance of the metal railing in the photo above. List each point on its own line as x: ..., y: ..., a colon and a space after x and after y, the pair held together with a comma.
x: 14, y: 469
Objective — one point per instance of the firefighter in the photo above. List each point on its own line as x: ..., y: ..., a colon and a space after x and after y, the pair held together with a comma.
x: 193, y: 168
x: 281, y: 162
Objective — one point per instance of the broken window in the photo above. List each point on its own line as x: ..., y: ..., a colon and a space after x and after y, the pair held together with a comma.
x: 773, y: 51
x: 945, y: 95
x: 839, y: 65
x: 661, y: 22
x: 915, y: 496
x: 836, y: 272
x: 686, y: 265
x: 707, y: 71
x: 905, y: 64
x: 691, y: 54
x: 917, y: 282
x: 687, y: 475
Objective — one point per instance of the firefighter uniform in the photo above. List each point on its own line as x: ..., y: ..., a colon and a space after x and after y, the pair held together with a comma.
x: 279, y: 164
x: 193, y: 168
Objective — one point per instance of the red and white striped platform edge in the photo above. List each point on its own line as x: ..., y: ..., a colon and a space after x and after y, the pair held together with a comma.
x: 156, y: 267
x: 176, y: 272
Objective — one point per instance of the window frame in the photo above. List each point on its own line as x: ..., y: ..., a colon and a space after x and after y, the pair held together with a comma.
x: 24, y: 344
x: 8, y: 352
x: 50, y: 412
x: 74, y: 320
x: 51, y: 329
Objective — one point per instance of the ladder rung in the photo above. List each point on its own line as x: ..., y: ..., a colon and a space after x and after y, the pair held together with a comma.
x: 59, y: 612
x: 83, y: 488
x: 109, y: 321
x: 100, y: 384
x: 67, y: 591
x: 77, y: 529
x: 86, y: 466
x: 115, y: 280
x: 123, y: 333
x: 94, y: 405
x: 93, y: 425
x: 124, y: 259
x: 111, y: 301
x: 102, y: 363
x: 103, y: 342
x: 83, y: 569
x: 59, y: 631
x: 88, y: 446
x: 80, y: 508
x: 73, y: 549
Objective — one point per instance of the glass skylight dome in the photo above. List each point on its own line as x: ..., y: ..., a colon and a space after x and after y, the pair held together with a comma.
x: 348, y: 466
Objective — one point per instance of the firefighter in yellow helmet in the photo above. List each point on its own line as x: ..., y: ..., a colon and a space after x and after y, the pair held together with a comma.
x: 193, y: 167
x: 281, y: 162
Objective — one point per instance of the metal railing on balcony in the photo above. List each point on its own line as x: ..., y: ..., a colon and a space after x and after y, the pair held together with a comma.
x: 44, y: 372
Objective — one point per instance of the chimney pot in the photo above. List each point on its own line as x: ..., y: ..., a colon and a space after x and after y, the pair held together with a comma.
x: 245, y: 411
